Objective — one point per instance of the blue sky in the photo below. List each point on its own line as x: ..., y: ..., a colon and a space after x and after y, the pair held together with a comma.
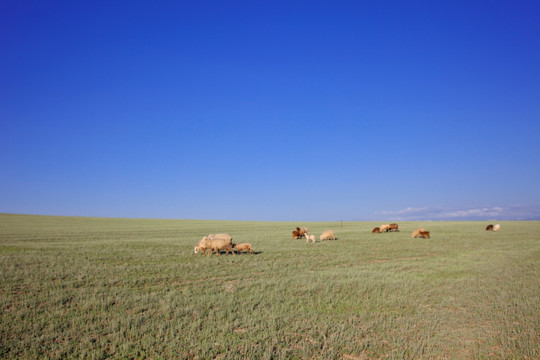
x: 297, y: 110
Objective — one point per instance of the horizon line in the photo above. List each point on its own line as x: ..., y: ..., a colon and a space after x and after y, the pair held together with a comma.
x: 231, y: 220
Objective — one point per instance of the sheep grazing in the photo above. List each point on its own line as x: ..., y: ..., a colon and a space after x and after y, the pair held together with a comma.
x: 394, y: 227
x: 425, y: 234
x: 215, y: 242
x: 243, y: 247
x: 489, y: 227
x: 300, y: 232
x: 203, y: 245
x: 384, y: 227
x: 220, y: 236
x: 416, y: 233
x: 221, y: 244
x: 328, y: 235
x: 376, y: 230
x: 310, y: 238
x: 496, y: 227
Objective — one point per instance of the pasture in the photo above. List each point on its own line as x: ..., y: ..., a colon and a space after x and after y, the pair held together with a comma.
x: 127, y: 288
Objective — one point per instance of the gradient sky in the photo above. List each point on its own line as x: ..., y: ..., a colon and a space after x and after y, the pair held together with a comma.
x: 275, y: 110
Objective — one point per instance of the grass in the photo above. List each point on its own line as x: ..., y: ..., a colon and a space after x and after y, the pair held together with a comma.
x: 127, y: 288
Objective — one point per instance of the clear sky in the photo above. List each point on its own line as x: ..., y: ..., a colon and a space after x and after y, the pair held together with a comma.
x: 271, y: 110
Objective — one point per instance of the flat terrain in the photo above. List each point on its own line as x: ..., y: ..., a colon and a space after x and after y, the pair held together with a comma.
x: 127, y: 288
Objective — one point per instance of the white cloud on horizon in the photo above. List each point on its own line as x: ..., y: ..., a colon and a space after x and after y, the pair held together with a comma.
x: 513, y: 212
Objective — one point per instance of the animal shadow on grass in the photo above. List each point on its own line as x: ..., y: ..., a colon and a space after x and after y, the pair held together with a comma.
x: 241, y: 253
x: 248, y: 253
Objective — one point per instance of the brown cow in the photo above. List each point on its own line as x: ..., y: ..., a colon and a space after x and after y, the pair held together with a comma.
x: 295, y: 234
x: 425, y: 234
x: 376, y: 230
x: 393, y: 227
x: 489, y: 227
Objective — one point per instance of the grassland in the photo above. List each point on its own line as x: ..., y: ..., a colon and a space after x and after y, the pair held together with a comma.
x: 124, y: 288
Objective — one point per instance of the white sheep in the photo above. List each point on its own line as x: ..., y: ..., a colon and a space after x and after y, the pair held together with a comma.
x: 220, y: 236
x: 216, y: 243
x: 496, y: 227
x: 327, y: 234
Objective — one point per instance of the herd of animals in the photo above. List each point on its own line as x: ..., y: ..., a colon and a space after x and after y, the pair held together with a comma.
x: 223, y: 242
x: 420, y: 232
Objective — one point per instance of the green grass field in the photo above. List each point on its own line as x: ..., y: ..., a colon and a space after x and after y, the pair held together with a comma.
x: 94, y: 288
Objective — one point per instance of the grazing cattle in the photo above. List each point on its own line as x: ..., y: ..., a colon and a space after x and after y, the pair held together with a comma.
x: 376, y: 230
x: 310, y: 238
x: 385, y: 227
x: 489, y: 227
x: 393, y: 227
x: 425, y: 234
x: 295, y: 234
x: 496, y: 227
x: 328, y: 235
